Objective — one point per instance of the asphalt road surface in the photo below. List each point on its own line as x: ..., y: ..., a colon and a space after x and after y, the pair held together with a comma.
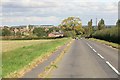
x: 87, y: 59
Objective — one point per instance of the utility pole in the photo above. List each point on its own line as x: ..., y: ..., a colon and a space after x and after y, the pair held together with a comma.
x: 96, y: 22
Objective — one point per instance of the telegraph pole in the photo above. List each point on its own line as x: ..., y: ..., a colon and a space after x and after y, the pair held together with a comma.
x: 96, y: 22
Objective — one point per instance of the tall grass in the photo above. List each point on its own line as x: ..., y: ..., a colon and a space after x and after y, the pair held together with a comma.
x: 108, y: 34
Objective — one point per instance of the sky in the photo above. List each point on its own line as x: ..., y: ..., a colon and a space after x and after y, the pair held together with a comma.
x: 52, y: 12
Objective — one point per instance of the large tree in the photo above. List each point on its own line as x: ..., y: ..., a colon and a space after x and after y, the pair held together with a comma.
x: 72, y: 24
x: 101, y: 24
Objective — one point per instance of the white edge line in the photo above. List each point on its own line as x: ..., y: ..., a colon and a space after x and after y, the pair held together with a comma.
x: 113, y: 68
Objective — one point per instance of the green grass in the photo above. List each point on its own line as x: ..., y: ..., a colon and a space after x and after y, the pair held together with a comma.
x: 115, y: 45
x: 18, y: 58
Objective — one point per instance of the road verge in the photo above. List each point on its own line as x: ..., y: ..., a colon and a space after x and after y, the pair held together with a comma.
x: 114, y: 45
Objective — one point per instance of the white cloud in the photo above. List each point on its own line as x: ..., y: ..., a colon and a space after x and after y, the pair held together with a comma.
x: 111, y: 7
x: 30, y: 20
x: 27, y: 4
x: 51, y: 11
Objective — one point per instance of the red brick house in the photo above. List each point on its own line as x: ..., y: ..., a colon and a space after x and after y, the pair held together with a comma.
x: 55, y: 34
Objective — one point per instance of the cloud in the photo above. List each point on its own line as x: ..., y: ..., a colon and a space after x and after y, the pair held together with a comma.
x: 46, y: 11
x: 27, y: 4
x: 30, y: 20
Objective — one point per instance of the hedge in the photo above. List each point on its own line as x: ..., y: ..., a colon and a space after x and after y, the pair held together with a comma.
x: 108, y: 34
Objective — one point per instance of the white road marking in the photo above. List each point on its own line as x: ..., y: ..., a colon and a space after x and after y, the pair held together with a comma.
x: 113, y: 68
x: 89, y: 45
x: 100, y: 56
x: 94, y: 50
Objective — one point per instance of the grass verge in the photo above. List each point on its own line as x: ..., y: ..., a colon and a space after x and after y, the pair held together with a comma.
x: 114, y: 45
x: 14, y: 61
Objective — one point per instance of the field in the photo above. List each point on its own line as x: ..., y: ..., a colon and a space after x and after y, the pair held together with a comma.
x: 14, y: 44
x: 24, y: 52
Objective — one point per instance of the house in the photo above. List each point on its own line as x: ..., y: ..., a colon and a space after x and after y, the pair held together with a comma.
x: 55, y: 34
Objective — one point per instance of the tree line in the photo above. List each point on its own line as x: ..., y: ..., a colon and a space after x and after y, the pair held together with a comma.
x: 72, y: 27
x: 102, y: 32
x: 36, y: 33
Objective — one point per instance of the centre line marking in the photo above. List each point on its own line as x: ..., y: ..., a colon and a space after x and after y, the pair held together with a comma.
x: 89, y: 45
x: 100, y: 56
x: 113, y: 68
x: 94, y: 50
x: 110, y: 65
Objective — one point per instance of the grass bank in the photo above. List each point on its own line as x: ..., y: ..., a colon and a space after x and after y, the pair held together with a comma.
x: 17, y: 59
x: 114, y: 45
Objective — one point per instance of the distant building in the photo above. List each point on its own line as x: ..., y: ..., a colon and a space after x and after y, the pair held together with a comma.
x: 56, y: 34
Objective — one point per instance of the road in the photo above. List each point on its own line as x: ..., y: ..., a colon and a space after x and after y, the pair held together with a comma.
x: 87, y: 59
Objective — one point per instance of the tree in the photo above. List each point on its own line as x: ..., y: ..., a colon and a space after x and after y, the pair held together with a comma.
x: 40, y: 32
x: 86, y: 31
x: 18, y: 34
x: 101, y: 24
x: 0, y: 32
x: 72, y: 24
x: 6, y: 32
x: 70, y: 34
x: 118, y: 23
x: 90, y: 28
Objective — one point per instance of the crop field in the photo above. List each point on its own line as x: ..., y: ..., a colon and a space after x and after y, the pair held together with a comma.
x: 14, y: 44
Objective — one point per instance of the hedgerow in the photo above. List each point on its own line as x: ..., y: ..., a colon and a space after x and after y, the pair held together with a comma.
x: 108, y: 34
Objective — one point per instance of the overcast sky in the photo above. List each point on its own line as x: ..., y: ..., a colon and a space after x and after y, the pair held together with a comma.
x: 24, y: 12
